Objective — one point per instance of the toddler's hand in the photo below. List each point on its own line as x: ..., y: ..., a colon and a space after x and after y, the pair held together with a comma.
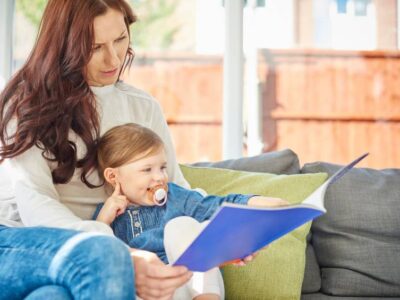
x: 267, y: 201
x: 114, y: 206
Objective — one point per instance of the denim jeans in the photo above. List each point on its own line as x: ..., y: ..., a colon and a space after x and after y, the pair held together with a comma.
x: 50, y: 263
x: 53, y: 292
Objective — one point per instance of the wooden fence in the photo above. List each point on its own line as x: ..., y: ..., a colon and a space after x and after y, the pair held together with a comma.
x: 190, y: 92
x: 332, y: 105
x: 325, y: 105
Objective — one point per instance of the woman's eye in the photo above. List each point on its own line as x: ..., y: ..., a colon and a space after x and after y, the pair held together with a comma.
x: 121, y: 39
x: 146, y: 170
x: 95, y: 48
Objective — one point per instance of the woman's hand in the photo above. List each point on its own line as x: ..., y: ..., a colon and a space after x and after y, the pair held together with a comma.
x: 154, y: 279
x: 262, y: 201
x: 114, y: 206
x: 241, y: 262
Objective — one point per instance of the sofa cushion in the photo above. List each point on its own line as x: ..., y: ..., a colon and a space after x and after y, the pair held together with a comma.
x: 319, y: 296
x: 357, y: 242
x: 312, y: 274
x: 277, y: 272
x: 276, y: 162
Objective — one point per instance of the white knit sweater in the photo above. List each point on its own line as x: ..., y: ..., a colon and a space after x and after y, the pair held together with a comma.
x: 28, y: 196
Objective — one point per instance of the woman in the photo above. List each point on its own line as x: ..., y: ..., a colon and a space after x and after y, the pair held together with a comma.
x: 67, y: 93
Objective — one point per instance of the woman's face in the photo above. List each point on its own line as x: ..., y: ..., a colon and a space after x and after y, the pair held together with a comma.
x: 111, y: 42
x: 138, y: 177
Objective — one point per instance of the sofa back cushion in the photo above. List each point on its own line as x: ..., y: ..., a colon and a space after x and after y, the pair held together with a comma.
x: 277, y: 272
x: 312, y: 273
x: 276, y: 162
x: 357, y: 243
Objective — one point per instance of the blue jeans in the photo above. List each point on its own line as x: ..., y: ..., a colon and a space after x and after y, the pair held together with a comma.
x: 50, y: 263
x: 54, y: 292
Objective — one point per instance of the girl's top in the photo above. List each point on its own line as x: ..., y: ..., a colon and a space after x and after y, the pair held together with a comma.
x: 28, y: 196
x: 142, y: 227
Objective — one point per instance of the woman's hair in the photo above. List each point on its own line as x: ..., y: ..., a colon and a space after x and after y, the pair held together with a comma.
x: 49, y: 95
x: 123, y: 144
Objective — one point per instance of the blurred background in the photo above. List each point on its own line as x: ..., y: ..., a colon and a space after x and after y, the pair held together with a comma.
x: 321, y: 77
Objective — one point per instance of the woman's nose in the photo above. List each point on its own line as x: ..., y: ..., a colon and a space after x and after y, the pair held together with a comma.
x: 111, y: 58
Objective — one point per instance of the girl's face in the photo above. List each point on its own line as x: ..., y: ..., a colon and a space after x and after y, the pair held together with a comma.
x: 136, y: 178
x: 111, y: 42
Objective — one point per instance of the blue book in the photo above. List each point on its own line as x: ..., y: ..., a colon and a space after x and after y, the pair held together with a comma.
x: 213, y: 246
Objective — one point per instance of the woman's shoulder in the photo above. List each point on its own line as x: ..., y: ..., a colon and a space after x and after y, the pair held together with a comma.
x: 132, y: 92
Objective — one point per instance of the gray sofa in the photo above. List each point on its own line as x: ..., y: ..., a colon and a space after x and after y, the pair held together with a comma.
x: 353, y: 251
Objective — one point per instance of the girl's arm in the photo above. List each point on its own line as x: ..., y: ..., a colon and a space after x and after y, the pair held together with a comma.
x: 37, y: 199
x: 202, y: 208
x: 195, y: 205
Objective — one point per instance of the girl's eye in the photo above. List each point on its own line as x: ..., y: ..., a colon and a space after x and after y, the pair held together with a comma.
x: 146, y: 170
x: 163, y: 168
x: 95, y: 48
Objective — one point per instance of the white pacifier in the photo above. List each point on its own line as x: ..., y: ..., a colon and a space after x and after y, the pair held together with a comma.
x: 160, y: 197
x: 158, y: 194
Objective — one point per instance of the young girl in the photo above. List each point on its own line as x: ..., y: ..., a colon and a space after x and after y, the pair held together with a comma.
x: 132, y: 161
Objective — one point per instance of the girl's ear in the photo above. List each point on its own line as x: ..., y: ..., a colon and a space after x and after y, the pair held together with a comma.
x: 110, y: 175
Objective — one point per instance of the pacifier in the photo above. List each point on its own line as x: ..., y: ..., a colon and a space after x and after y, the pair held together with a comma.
x: 158, y: 194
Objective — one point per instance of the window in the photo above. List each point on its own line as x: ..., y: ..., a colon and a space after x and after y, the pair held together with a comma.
x: 259, y: 3
x: 341, y: 6
x: 355, y: 7
x: 360, y: 7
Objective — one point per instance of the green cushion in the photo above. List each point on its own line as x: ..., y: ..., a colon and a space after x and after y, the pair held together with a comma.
x: 277, y: 272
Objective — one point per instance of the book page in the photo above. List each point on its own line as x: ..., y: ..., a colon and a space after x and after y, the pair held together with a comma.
x: 317, y: 198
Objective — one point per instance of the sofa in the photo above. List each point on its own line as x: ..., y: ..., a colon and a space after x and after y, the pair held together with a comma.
x: 353, y: 251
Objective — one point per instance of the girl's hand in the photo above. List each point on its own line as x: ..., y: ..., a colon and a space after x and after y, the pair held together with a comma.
x: 113, y: 207
x: 262, y: 201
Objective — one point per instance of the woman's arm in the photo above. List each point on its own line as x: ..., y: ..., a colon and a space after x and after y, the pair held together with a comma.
x: 36, y: 196
x: 159, y: 125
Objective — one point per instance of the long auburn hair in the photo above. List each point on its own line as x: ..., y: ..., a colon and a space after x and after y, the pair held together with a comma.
x: 49, y: 95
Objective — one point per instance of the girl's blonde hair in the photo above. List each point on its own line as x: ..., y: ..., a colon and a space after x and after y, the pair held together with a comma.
x: 126, y: 143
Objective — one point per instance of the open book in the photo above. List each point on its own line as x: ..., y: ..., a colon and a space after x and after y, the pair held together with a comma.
x: 217, y: 243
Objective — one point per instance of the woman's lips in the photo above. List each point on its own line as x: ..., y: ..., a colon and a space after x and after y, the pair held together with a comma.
x: 110, y: 73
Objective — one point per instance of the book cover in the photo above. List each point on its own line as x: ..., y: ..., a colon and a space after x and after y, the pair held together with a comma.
x: 260, y: 226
